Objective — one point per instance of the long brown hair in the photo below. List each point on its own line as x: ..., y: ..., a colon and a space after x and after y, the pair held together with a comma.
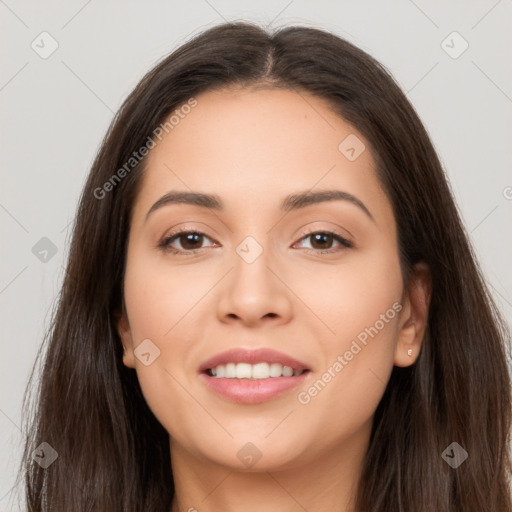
x: 112, y: 452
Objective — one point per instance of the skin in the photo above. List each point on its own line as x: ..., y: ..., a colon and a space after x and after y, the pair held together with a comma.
x: 252, y: 148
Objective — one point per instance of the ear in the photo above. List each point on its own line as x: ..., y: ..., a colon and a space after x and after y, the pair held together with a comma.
x: 414, y: 316
x: 125, y: 334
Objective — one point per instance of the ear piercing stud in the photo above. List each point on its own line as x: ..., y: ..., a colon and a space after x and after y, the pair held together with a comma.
x: 409, y: 352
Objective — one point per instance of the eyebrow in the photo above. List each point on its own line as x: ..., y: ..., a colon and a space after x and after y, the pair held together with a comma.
x: 290, y: 202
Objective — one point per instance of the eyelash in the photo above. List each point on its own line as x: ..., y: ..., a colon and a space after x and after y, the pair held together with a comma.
x: 164, y: 244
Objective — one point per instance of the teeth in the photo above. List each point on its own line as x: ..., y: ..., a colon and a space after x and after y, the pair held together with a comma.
x: 276, y: 370
x: 259, y: 371
x: 253, y: 371
x: 230, y: 371
x: 243, y: 371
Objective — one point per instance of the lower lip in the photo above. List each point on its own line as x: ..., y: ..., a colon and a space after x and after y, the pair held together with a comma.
x: 252, y: 391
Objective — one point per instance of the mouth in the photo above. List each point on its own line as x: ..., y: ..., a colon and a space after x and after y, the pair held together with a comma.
x: 252, y: 376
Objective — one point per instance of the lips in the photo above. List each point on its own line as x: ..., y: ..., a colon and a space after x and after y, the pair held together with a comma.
x: 246, y: 390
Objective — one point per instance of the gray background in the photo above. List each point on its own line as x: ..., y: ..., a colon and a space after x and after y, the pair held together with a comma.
x: 55, y: 112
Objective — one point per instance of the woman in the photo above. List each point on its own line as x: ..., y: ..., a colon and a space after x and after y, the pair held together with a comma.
x: 270, y: 301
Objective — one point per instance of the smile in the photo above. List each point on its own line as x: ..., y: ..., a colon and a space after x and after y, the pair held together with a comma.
x: 253, y: 371
x: 252, y: 376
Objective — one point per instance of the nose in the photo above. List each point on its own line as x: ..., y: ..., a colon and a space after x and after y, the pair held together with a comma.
x: 255, y: 294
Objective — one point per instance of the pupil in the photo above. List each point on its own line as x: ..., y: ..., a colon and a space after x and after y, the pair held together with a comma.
x: 190, y: 239
x: 317, y: 237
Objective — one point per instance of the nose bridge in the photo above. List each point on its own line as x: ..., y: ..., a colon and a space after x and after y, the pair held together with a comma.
x: 253, y: 291
x: 252, y: 279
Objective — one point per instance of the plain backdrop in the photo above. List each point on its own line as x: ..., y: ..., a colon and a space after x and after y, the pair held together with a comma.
x: 453, y: 59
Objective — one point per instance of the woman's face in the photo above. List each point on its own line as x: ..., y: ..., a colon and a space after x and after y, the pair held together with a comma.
x: 263, y: 273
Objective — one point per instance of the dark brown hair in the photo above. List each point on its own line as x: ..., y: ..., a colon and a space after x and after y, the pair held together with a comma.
x: 112, y: 452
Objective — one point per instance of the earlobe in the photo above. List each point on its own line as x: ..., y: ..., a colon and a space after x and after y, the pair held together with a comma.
x: 128, y: 357
x: 414, y: 316
x: 124, y: 332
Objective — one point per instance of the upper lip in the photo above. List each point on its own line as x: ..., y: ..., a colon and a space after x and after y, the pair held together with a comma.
x: 252, y: 356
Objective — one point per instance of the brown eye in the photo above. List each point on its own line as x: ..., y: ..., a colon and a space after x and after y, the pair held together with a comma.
x: 188, y: 241
x: 322, y: 241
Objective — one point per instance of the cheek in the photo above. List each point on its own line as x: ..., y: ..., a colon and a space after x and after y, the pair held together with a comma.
x: 350, y: 296
x: 160, y: 297
x: 360, y: 305
x: 163, y: 305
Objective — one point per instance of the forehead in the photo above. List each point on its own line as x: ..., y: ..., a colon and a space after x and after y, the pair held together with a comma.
x: 253, y: 147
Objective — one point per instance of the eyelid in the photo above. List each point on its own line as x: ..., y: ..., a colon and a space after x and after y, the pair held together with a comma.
x: 184, y: 228
x: 334, y: 231
x: 333, y: 228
